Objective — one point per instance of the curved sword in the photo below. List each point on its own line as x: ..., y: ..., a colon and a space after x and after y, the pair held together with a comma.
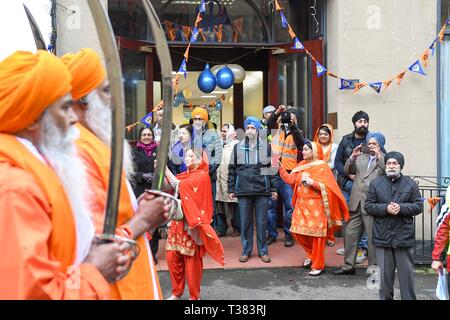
x: 162, y: 49
x: 113, y: 66
x: 38, y: 38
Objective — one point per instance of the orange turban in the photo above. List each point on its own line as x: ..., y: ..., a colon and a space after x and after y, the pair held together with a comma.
x: 201, y: 112
x: 87, y: 71
x: 29, y: 83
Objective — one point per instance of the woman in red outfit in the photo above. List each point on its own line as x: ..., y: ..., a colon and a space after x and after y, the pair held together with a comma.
x: 190, y: 238
x: 318, y: 205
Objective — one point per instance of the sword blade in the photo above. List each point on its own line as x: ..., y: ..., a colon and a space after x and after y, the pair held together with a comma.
x: 38, y: 38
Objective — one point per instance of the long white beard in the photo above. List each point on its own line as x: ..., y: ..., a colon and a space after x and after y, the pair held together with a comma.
x: 98, y: 118
x: 60, y: 151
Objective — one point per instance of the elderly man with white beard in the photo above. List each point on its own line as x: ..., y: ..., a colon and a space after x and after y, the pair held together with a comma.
x: 90, y: 90
x: 47, y: 233
x: 393, y: 201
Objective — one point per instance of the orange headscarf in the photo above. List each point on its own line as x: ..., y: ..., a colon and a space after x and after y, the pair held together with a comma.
x: 201, y: 112
x: 29, y: 83
x: 87, y: 71
x: 327, y: 153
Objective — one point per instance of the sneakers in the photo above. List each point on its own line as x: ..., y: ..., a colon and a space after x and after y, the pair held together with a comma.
x: 288, y: 241
x: 340, y: 251
x: 265, y: 258
x: 173, y: 297
x: 244, y: 258
x: 361, y: 255
x: 316, y: 272
x: 270, y: 240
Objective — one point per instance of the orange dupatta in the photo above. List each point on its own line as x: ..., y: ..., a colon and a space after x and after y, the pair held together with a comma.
x: 197, y: 204
x: 327, y: 152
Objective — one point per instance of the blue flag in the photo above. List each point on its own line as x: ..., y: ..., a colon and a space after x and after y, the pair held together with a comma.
x: 416, y: 67
x: 298, y: 45
x: 320, y: 69
x: 194, y: 35
x: 147, y: 119
x: 376, y: 86
x: 202, y: 6
x: 284, y: 22
x: 348, y: 84
x: 183, y: 68
x: 433, y: 46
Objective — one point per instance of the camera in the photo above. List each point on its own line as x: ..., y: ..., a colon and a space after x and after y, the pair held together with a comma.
x: 285, y: 117
x: 365, y: 149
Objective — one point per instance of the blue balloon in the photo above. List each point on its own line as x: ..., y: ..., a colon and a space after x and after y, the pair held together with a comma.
x: 206, y: 80
x: 218, y: 105
x: 225, y: 78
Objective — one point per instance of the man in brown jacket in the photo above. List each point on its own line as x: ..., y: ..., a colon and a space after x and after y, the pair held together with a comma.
x: 366, y: 163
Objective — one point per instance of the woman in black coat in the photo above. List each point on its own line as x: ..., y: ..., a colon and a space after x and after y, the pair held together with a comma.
x: 144, y: 155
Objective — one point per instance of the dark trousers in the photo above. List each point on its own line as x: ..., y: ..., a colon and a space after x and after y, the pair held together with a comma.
x: 249, y: 206
x: 224, y: 209
x: 388, y: 260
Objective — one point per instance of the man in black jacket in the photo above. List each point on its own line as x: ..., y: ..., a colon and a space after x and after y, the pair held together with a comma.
x: 393, y: 200
x: 251, y: 181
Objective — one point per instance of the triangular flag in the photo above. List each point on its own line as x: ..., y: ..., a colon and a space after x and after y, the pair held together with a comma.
x: 186, y: 32
x: 442, y: 33
x: 376, y: 86
x: 433, y: 201
x: 400, y: 77
x: 387, y: 83
x: 425, y: 56
x: 416, y: 67
x: 348, y: 84
x: 147, y: 119
x: 433, y: 46
x: 199, y: 18
x: 176, y: 83
x: 202, y: 6
x: 277, y: 6
x: 183, y: 68
x: 291, y: 32
x: 358, y: 86
x: 186, y: 53
x: 194, y: 35
x: 298, y: 45
x: 284, y: 22
x: 320, y: 69
x: 331, y: 74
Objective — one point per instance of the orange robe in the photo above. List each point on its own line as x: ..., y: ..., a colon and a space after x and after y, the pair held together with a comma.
x: 142, y: 282
x: 38, y: 233
x: 184, y: 256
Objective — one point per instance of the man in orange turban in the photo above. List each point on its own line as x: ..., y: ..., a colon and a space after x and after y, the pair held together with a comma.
x: 92, y: 105
x: 47, y: 249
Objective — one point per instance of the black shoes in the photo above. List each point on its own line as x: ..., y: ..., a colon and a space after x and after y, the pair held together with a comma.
x: 342, y: 271
x: 288, y: 241
x: 270, y: 240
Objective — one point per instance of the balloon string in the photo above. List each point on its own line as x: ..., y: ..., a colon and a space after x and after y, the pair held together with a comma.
x: 216, y: 62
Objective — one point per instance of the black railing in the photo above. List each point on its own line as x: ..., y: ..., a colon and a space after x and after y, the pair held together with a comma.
x: 425, y: 223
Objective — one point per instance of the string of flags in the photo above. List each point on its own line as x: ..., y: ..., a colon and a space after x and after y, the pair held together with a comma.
x: 433, y: 201
x: 356, y: 84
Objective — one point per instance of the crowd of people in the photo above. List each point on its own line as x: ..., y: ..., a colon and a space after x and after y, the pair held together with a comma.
x: 55, y: 147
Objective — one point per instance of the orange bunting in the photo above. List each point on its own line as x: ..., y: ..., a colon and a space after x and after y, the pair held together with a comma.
x: 219, y: 31
x: 186, y: 32
x: 200, y: 32
x: 358, y: 86
x: 442, y: 33
x: 425, y: 56
x: 171, y: 33
x: 291, y: 32
x: 433, y: 202
x: 176, y: 83
x: 199, y: 19
x: 331, y: 74
x: 400, y: 77
x: 186, y: 53
x: 159, y: 106
x: 277, y: 6
x: 387, y: 83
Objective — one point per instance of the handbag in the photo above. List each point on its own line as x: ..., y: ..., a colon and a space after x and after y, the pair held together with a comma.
x: 442, y: 288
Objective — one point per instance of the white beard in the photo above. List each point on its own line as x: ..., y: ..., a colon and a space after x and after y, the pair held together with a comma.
x: 60, y: 151
x: 98, y: 118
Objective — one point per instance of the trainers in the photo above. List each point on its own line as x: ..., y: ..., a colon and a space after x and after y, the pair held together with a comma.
x: 361, y: 256
x: 270, y: 240
x: 265, y: 258
x: 340, y: 251
x: 288, y: 241
x: 244, y: 258
x: 174, y: 297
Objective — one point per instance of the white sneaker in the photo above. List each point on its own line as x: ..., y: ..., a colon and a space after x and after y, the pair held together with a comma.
x: 173, y: 297
x: 361, y: 256
x: 340, y: 251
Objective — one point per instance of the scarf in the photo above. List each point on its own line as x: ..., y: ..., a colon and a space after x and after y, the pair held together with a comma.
x: 148, y: 148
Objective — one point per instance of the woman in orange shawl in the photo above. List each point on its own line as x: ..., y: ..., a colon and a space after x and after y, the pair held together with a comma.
x: 318, y: 205
x: 189, y: 239
x: 324, y: 137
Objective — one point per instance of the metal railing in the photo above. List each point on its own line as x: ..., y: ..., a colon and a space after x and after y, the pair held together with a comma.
x: 425, y: 223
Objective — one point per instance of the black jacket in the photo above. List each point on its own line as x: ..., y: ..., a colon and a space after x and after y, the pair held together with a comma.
x: 142, y: 164
x: 249, y: 170
x: 393, y: 231
x: 344, y: 151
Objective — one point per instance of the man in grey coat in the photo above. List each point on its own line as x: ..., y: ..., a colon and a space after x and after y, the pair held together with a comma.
x: 366, y: 163
x: 393, y: 200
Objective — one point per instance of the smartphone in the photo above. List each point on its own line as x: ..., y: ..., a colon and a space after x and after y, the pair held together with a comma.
x: 365, y: 149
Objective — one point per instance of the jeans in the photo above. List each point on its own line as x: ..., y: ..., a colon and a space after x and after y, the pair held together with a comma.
x: 285, y: 194
x: 249, y: 206
x: 221, y: 216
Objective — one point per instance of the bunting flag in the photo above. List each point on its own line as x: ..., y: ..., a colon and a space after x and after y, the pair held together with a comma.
x: 202, y: 7
x: 198, y: 20
x: 236, y: 26
x: 147, y: 119
x: 400, y: 77
x: 442, y: 33
x: 433, y: 46
x: 424, y: 58
x: 186, y: 53
x: 219, y: 32
x: 200, y: 32
x: 277, y: 6
x: 416, y: 67
x: 183, y: 68
x: 171, y: 33
x: 332, y: 74
x: 291, y: 32
x: 433, y: 201
x: 387, y: 83
x: 186, y: 31
x: 348, y: 84
x: 321, y: 70
x: 376, y: 86
x: 297, y: 45
x: 284, y: 22
x: 359, y: 86
x: 194, y: 35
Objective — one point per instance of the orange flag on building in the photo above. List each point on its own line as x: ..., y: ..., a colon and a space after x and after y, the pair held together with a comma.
x: 400, y: 77
x: 277, y: 6
x: 433, y: 201
x: 358, y: 86
x: 387, y: 83
x: 171, y: 34
x: 291, y: 32
x: 199, y: 19
x: 218, y: 30
x: 186, y: 53
x: 186, y: 32
x: 425, y: 56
